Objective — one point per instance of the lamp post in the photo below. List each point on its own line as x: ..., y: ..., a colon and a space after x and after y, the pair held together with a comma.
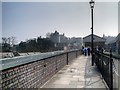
x: 92, y: 6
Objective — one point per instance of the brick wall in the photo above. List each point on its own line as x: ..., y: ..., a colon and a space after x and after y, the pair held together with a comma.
x: 35, y: 74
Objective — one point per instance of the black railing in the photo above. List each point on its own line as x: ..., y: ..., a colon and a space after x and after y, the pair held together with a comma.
x: 106, y: 67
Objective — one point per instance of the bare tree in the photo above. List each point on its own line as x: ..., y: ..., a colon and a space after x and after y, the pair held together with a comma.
x: 4, y: 40
x: 13, y: 41
x: 10, y: 42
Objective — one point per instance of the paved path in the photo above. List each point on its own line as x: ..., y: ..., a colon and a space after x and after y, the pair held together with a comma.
x: 78, y: 74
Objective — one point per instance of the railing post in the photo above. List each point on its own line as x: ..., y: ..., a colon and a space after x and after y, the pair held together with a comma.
x: 76, y: 54
x: 111, y: 71
x: 67, y: 57
x: 119, y: 75
x: 101, y: 62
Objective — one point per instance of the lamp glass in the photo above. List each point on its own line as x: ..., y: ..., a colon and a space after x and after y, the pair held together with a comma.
x: 92, y: 3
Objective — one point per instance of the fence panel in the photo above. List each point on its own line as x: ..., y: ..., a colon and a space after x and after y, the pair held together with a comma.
x: 108, y: 66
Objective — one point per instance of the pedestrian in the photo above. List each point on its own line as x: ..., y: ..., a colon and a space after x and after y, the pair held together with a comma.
x: 88, y: 50
x: 82, y: 50
x: 85, y: 51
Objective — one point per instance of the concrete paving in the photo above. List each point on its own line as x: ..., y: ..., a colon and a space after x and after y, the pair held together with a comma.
x: 78, y: 74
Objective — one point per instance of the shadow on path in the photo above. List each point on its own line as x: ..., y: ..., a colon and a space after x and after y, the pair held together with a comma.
x: 92, y: 76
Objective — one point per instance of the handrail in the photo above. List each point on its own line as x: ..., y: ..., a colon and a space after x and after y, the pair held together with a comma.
x: 106, y: 64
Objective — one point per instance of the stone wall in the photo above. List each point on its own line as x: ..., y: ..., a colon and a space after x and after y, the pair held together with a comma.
x: 35, y: 74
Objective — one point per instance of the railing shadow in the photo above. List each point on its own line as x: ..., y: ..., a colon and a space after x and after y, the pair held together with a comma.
x: 92, y: 75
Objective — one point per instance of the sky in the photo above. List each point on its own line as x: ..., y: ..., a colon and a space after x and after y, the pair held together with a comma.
x: 25, y: 20
x: 118, y: 17
x: 0, y: 21
x: 58, y: 0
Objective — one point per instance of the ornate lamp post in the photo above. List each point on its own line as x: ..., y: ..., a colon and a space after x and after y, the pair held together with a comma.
x: 92, y: 6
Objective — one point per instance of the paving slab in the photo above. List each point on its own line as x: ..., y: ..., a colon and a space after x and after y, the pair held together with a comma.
x: 78, y: 74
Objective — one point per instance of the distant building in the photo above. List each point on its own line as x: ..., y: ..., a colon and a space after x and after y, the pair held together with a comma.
x: 114, y: 45
x: 61, y: 41
x: 55, y: 37
x: 118, y: 43
x: 109, y: 39
x: 97, y: 40
x: 58, y: 38
x: 63, y: 38
x: 75, y: 43
x: 111, y: 46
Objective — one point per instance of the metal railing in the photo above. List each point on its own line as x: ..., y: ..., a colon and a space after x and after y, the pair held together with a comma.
x: 108, y: 67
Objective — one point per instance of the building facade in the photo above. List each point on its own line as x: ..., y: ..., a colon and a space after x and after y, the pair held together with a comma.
x: 97, y: 41
x: 62, y: 41
x: 118, y: 43
x: 114, y: 45
x: 75, y: 43
x: 55, y: 37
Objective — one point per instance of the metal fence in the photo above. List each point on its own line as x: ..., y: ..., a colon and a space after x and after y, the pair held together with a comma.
x: 108, y: 67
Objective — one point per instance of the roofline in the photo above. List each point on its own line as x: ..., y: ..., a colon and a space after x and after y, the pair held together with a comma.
x: 94, y: 35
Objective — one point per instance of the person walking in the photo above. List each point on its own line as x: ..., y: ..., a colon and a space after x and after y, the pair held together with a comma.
x: 85, y: 51
x: 88, y: 50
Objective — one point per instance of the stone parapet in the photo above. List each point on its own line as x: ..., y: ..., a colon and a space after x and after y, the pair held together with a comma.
x: 35, y: 73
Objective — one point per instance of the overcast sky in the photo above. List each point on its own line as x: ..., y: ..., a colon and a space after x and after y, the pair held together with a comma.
x: 119, y: 18
x: 26, y: 20
x: 0, y: 20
